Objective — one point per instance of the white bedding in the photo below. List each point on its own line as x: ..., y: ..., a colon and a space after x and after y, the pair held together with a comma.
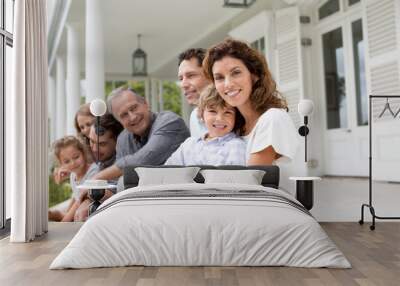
x: 189, y: 230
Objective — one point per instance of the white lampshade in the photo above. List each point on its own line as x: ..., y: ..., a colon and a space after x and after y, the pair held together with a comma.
x: 98, y: 107
x: 305, y: 107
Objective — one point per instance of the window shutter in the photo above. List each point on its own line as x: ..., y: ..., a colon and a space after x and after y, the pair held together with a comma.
x: 289, y: 72
x: 289, y: 79
x: 383, y: 49
x: 382, y: 34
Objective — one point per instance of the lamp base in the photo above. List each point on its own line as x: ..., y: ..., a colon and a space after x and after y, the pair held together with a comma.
x: 96, y: 195
x: 305, y: 193
x: 93, y: 207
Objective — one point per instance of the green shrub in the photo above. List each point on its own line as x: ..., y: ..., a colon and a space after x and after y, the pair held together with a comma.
x: 58, y: 193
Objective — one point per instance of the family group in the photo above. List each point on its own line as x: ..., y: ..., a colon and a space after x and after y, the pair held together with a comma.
x: 239, y: 118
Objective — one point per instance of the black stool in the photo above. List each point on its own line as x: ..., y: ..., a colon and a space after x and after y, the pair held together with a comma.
x: 95, y: 195
x: 305, y: 190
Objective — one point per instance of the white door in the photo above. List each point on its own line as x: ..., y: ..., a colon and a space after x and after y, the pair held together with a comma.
x: 342, y: 84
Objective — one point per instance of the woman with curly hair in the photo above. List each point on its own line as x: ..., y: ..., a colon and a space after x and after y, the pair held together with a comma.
x: 242, y: 78
x: 83, y: 120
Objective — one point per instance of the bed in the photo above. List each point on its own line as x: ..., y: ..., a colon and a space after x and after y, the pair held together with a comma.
x: 201, y: 224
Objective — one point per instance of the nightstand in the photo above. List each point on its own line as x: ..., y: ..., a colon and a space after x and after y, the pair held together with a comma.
x: 304, y: 190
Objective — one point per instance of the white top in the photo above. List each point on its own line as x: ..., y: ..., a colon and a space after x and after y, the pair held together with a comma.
x: 93, y: 170
x: 96, y: 184
x: 197, y: 127
x: 274, y: 128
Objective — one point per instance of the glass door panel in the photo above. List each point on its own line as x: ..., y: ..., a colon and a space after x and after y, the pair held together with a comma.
x: 335, y: 83
x: 7, y: 94
x: 359, y: 73
x: 9, y: 19
x: 1, y: 14
x: 2, y: 201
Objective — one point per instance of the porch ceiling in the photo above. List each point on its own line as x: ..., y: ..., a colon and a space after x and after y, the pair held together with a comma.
x: 167, y: 28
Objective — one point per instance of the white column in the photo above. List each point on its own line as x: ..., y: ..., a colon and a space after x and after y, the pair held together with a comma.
x: 154, y: 95
x: 60, y: 109
x: 147, y: 91
x: 73, y: 76
x: 94, y: 51
x: 161, y: 95
x: 52, y: 108
x: 186, y: 109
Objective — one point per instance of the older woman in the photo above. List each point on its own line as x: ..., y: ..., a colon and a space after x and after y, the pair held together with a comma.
x: 83, y: 120
x: 241, y: 76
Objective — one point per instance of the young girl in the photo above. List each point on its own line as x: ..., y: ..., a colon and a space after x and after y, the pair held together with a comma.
x: 83, y: 121
x: 72, y: 156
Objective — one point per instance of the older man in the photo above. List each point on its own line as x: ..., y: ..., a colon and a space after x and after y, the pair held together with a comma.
x: 193, y: 81
x: 148, y: 138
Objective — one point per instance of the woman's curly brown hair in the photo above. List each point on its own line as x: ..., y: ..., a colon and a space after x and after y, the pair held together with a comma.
x: 264, y: 93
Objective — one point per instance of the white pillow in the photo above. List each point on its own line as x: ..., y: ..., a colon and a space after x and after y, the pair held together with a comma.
x: 248, y: 177
x: 166, y: 176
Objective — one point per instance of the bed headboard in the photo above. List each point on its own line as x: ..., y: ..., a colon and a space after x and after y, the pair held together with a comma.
x: 270, y: 179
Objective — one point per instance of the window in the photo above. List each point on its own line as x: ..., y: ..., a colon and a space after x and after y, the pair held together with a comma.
x: 259, y: 45
x: 172, y: 99
x: 352, y: 2
x: 335, y: 84
x: 9, y: 18
x: 171, y: 94
x: 329, y: 8
x: 138, y: 86
x: 6, y: 43
x: 359, y: 68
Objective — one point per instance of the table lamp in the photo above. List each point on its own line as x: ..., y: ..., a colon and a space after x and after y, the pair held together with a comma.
x: 305, y: 109
x: 98, y: 108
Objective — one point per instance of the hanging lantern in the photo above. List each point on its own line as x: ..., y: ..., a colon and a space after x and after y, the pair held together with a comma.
x: 139, y: 61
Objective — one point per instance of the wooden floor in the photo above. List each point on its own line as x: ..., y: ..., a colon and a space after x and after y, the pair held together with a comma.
x: 374, y: 255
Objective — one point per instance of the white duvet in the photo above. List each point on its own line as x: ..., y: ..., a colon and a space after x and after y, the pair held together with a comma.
x: 207, y: 230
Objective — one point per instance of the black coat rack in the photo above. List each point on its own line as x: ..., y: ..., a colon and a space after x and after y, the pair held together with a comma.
x: 394, y: 114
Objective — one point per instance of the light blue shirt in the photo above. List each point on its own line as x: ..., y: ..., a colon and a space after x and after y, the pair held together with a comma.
x: 229, y: 149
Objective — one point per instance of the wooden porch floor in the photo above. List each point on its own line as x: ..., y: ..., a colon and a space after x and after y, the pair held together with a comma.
x: 374, y: 255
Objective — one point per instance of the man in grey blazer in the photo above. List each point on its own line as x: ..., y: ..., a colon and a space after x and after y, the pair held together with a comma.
x: 148, y: 138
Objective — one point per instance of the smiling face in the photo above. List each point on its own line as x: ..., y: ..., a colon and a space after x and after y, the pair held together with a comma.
x: 84, y: 123
x: 131, y: 112
x: 233, y: 81
x: 72, y: 160
x: 106, y: 142
x: 192, y: 80
x: 219, y: 120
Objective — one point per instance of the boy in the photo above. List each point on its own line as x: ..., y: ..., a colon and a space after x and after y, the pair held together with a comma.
x: 220, y: 145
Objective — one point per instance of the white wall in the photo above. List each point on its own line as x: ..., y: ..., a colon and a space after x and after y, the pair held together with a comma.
x: 256, y: 27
